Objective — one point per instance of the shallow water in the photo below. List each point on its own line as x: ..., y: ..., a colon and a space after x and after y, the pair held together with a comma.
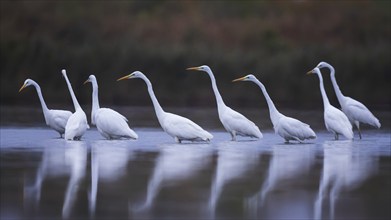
x: 43, y: 176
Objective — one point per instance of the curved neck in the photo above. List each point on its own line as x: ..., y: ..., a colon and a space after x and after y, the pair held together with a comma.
x: 95, y: 100
x: 75, y: 102
x: 326, y: 101
x: 158, y: 109
x: 40, y: 96
x: 338, y: 92
x: 219, y: 99
x: 274, y: 114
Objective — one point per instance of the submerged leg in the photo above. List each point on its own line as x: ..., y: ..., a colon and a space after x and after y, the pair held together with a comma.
x: 233, y: 135
x: 336, y: 136
x: 358, y: 128
x: 177, y: 140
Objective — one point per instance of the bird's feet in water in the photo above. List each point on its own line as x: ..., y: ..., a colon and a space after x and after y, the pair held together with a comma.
x: 233, y: 136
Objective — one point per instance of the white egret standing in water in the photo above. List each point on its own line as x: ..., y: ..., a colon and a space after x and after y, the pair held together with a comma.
x: 335, y: 120
x: 77, y: 123
x: 287, y: 127
x: 110, y: 124
x: 354, y: 110
x: 56, y: 119
x: 176, y: 126
x: 234, y: 122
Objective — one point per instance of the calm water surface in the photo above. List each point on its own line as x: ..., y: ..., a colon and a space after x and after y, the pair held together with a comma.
x: 44, y: 177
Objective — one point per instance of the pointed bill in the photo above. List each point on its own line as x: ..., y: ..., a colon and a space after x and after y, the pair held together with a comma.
x: 125, y: 77
x: 239, y: 79
x: 21, y: 88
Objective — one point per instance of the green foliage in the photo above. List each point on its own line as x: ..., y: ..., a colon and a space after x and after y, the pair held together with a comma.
x: 276, y: 41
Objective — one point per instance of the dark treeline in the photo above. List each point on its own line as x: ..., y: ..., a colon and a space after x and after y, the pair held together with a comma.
x: 276, y: 41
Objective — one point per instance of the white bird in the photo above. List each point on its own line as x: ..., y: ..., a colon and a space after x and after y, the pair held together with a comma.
x: 176, y: 126
x: 335, y: 120
x: 354, y: 110
x: 234, y: 122
x: 110, y: 124
x: 56, y: 119
x: 77, y: 123
x: 287, y: 127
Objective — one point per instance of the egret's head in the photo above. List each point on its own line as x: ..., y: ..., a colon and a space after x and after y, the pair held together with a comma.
x: 314, y: 71
x: 249, y: 77
x: 204, y: 68
x: 135, y: 74
x: 91, y: 78
x: 27, y: 82
x: 322, y: 65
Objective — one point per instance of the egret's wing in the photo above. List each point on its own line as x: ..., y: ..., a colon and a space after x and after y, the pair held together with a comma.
x: 337, y: 121
x: 60, y: 117
x: 233, y: 120
x: 295, y: 128
x: 74, y: 123
x: 182, y: 127
x: 337, y: 118
x: 112, y: 122
x: 357, y: 111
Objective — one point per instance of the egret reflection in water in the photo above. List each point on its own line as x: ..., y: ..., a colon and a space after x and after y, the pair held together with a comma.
x: 175, y: 163
x: 345, y: 167
x: 66, y: 158
x: 53, y: 163
x: 109, y: 161
x: 76, y: 156
x: 239, y: 180
x: 289, y: 164
x: 233, y: 162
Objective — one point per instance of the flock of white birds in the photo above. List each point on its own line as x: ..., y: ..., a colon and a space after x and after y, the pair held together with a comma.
x: 113, y: 125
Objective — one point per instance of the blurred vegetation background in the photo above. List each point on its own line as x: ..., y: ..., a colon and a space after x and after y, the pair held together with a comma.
x: 278, y: 41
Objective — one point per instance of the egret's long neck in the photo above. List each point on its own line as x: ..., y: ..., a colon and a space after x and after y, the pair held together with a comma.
x: 219, y: 99
x: 274, y: 113
x: 326, y: 101
x: 95, y: 100
x: 74, y: 99
x: 43, y: 103
x: 338, y: 92
x: 158, y: 109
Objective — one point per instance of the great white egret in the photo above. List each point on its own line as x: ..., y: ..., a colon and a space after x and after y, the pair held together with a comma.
x: 77, y: 123
x: 176, y: 126
x: 234, y: 122
x: 287, y: 127
x: 355, y: 110
x: 110, y: 124
x: 335, y: 120
x: 56, y: 119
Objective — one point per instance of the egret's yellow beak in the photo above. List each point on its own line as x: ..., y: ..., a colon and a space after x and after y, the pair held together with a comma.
x: 239, y: 79
x: 125, y: 77
x: 310, y: 72
x: 21, y: 88
x: 87, y: 81
x: 193, y: 68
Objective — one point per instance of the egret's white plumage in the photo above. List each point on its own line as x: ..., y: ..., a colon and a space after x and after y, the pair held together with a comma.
x: 56, y: 119
x: 335, y: 120
x: 287, y: 127
x: 354, y: 110
x: 234, y: 122
x: 110, y: 124
x: 176, y: 126
x: 77, y: 123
